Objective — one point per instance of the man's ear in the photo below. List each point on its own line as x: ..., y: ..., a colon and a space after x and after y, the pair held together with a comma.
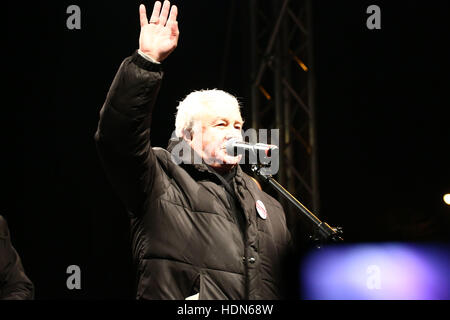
x: 188, y: 135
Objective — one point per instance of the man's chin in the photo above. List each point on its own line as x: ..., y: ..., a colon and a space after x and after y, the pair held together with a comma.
x: 226, y: 162
x: 229, y: 160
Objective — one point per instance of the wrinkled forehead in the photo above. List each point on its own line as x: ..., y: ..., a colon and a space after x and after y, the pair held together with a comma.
x: 220, y: 111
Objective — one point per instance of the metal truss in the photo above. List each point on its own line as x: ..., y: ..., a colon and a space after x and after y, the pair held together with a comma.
x: 282, y: 90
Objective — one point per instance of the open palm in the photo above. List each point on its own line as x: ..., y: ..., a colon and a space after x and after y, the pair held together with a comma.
x: 159, y: 36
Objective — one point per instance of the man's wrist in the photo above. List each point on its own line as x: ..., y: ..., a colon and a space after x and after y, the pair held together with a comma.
x: 145, y: 63
x: 147, y: 57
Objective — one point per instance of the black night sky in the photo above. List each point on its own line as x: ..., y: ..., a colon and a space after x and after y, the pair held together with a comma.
x: 383, y: 131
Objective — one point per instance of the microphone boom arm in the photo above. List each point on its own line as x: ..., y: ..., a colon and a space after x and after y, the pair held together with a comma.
x: 323, y: 232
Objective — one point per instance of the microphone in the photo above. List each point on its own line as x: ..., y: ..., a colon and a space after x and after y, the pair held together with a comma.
x: 235, y: 146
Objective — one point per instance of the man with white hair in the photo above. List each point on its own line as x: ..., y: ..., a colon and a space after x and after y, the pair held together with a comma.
x: 208, y: 119
x: 201, y: 228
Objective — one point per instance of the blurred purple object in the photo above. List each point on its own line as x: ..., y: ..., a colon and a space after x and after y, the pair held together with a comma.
x: 387, y: 271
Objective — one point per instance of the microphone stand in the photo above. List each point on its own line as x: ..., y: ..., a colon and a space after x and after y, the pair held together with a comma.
x: 322, y: 231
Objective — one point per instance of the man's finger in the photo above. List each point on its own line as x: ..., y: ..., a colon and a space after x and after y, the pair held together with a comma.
x: 155, y: 14
x: 142, y: 15
x: 164, y: 13
x: 173, y: 14
x: 174, y: 29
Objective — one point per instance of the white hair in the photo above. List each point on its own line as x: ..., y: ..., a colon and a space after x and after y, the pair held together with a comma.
x: 199, y: 102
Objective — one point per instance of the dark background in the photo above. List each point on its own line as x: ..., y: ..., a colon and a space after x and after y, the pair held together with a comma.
x: 383, y: 137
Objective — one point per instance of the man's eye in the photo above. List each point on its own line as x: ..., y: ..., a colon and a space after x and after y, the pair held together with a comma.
x: 221, y: 124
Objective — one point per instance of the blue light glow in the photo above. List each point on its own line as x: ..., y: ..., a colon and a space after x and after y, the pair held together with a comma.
x: 391, y: 271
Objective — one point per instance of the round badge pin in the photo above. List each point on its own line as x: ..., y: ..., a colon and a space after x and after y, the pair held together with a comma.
x: 261, y: 208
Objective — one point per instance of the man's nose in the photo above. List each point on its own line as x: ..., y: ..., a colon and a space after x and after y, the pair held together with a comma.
x: 234, y: 134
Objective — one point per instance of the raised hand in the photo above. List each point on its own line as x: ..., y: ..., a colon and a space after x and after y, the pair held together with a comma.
x: 159, y: 36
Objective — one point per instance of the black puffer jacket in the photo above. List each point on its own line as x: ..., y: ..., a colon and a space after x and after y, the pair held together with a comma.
x: 186, y: 238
